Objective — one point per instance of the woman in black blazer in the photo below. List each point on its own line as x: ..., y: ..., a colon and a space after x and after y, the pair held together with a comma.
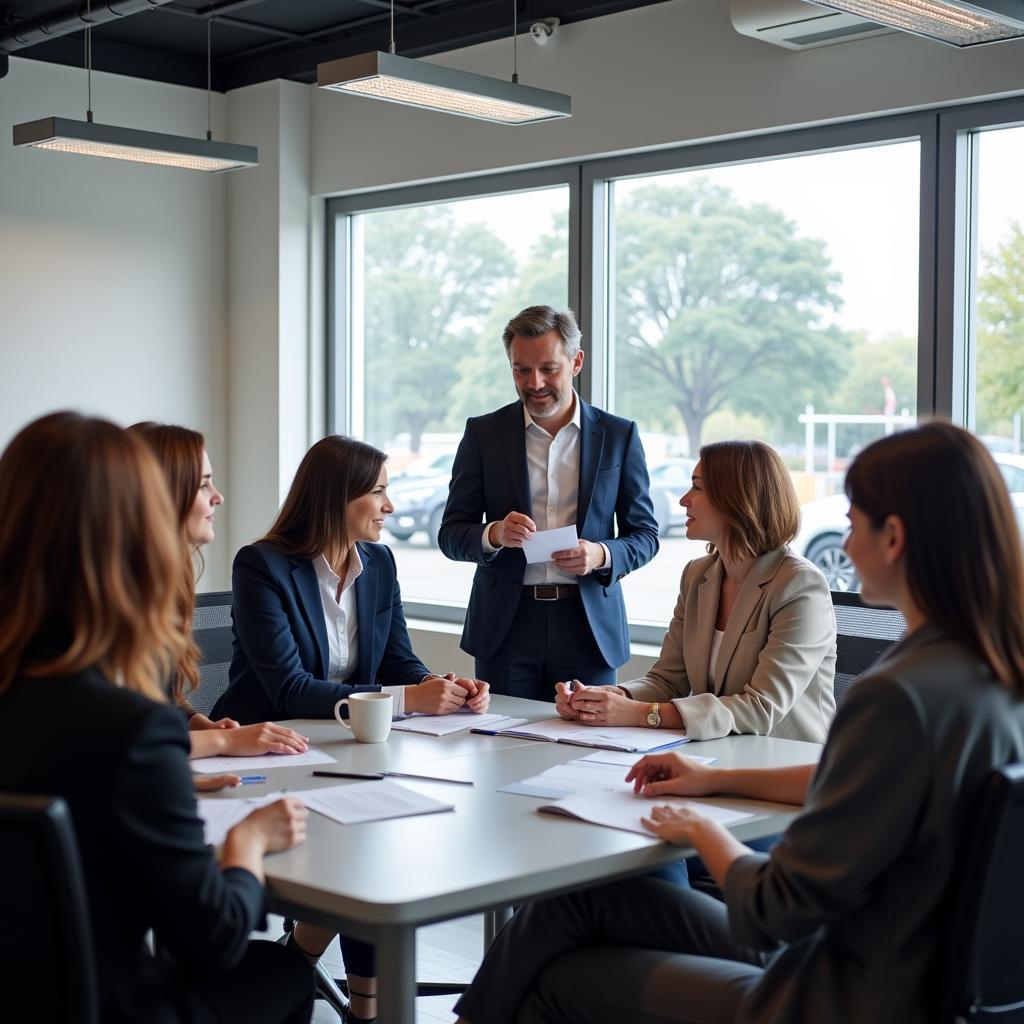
x: 89, y: 629
x: 317, y: 615
x: 840, y: 922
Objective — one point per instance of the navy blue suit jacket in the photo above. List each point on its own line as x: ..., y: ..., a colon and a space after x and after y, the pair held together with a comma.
x: 280, y: 655
x: 490, y: 479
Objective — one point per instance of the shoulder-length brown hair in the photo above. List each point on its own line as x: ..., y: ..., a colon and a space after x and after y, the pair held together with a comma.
x: 335, y: 471
x: 89, y: 555
x: 963, y: 557
x: 750, y: 488
x: 179, y: 451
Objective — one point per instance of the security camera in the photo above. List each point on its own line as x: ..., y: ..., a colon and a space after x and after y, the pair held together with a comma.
x: 543, y: 30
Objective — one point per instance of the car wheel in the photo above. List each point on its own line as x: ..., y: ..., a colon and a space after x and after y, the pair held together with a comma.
x: 434, y: 525
x: 400, y: 534
x: 828, y: 555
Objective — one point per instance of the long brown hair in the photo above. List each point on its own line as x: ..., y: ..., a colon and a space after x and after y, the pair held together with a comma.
x: 964, y: 566
x: 179, y: 451
x: 748, y: 485
x: 89, y: 554
x: 335, y: 471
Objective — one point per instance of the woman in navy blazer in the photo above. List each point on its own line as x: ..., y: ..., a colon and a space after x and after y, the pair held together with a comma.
x: 317, y: 615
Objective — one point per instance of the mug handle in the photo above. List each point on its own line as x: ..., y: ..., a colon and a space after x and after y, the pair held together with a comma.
x: 337, y: 713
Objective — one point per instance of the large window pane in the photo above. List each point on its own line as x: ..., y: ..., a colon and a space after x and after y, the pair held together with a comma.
x: 776, y: 300
x: 433, y: 286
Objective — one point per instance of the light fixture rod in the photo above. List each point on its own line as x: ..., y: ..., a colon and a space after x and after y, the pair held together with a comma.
x: 88, y: 61
x: 209, y: 86
x: 391, y: 48
x: 515, y: 41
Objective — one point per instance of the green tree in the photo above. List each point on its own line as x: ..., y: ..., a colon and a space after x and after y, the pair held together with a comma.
x: 718, y: 306
x: 870, y: 362
x: 429, y: 284
x: 1000, y: 335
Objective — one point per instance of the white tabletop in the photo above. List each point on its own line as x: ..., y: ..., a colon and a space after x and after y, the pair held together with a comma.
x: 381, y: 879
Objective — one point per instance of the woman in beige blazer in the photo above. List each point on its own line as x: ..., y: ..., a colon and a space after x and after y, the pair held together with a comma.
x: 752, y: 643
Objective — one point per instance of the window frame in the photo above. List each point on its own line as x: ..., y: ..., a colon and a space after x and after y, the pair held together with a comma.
x: 946, y: 180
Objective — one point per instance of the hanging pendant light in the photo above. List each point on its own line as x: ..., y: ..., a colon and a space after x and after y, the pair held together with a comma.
x: 87, y: 138
x: 415, y: 83
x: 948, y: 21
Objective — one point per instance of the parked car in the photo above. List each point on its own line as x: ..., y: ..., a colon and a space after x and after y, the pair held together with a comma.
x: 823, y: 524
x: 670, y: 480
x: 419, y: 495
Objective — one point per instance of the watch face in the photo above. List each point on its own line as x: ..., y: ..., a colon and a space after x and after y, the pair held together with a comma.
x: 654, y: 719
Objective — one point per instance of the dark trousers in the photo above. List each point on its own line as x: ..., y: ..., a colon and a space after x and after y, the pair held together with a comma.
x: 272, y: 984
x: 548, y: 642
x: 643, y: 950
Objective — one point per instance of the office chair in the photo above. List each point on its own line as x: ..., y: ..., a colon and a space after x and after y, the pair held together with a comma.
x: 49, y: 970
x: 211, y: 627
x: 980, y: 966
x: 862, y: 635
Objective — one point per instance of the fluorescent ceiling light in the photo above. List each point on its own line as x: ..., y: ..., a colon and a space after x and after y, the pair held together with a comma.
x: 948, y: 21
x: 386, y: 76
x: 90, y: 139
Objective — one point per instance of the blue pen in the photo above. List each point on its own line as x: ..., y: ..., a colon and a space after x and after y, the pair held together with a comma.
x: 247, y: 779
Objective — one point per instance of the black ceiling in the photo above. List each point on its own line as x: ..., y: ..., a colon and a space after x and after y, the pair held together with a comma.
x: 258, y: 40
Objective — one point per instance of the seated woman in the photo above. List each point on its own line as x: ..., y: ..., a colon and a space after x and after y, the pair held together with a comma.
x: 182, y: 456
x: 751, y: 647
x: 317, y: 615
x: 840, y: 922
x: 89, y: 628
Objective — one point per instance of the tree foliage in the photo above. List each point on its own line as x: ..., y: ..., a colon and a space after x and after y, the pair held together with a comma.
x: 719, y: 305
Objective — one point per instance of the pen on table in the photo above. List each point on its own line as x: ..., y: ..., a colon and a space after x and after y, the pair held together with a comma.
x: 245, y: 780
x: 385, y: 774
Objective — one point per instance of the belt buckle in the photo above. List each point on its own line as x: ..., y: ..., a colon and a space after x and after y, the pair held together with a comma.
x: 547, y: 588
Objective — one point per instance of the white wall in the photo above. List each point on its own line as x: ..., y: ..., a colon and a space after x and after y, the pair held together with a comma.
x: 112, y: 275
x: 661, y: 75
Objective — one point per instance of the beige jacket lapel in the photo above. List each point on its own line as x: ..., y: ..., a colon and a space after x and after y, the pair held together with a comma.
x: 709, y: 590
x: 750, y: 596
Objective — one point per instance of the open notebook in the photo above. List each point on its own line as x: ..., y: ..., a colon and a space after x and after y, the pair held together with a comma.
x: 557, y: 730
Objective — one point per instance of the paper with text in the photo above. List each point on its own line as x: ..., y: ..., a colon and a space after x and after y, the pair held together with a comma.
x: 628, y: 758
x: 247, y: 765
x: 221, y: 816
x: 458, y: 721
x: 619, y: 737
x: 624, y: 811
x: 544, y: 543
x: 370, y: 801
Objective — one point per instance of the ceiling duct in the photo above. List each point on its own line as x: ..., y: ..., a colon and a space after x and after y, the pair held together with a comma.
x: 72, y: 19
x: 799, y: 26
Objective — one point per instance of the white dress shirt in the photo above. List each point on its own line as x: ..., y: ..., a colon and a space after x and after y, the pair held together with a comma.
x: 343, y: 624
x: 553, y: 470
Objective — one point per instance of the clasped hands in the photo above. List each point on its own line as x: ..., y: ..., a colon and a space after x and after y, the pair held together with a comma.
x: 443, y: 694
x: 598, y: 705
x: 516, y: 527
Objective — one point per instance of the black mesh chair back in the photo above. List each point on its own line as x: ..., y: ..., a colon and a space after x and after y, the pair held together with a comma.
x: 47, y: 967
x: 980, y: 967
x: 211, y: 626
x: 862, y: 635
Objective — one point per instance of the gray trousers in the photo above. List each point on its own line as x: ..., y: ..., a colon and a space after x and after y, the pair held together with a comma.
x: 643, y: 950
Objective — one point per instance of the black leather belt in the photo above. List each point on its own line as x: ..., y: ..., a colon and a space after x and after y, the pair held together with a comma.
x: 552, y: 591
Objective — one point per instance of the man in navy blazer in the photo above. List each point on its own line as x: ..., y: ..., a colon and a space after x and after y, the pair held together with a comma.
x: 549, y: 460
x: 279, y: 661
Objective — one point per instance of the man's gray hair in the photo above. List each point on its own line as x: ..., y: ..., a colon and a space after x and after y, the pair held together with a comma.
x: 534, y: 321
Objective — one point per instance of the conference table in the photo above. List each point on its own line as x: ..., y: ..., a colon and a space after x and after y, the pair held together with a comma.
x: 380, y: 881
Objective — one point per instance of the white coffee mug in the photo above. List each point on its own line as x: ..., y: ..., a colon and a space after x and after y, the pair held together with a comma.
x: 369, y: 716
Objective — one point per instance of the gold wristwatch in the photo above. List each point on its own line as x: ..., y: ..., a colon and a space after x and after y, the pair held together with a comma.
x: 654, y: 716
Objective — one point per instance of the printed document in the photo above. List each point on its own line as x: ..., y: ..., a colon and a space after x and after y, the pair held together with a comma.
x: 558, y: 730
x: 458, y: 721
x: 544, y: 543
x: 370, y: 801
x: 247, y: 765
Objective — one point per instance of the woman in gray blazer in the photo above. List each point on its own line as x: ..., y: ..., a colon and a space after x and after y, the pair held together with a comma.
x: 840, y: 921
x: 751, y: 647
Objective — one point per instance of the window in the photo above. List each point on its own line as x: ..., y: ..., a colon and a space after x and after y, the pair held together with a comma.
x: 431, y: 288
x: 775, y: 300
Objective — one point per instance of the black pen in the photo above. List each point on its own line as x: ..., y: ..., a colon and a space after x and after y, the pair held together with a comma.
x: 378, y: 776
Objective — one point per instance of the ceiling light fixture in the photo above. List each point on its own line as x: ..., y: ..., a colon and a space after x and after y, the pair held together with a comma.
x: 947, y: 21
x: 87, y: 138
x: 414, y: 83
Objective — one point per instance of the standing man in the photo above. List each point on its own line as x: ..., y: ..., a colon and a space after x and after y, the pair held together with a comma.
x: 546, y: 461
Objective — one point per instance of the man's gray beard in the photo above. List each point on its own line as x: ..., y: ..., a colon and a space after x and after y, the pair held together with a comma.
x: 554, y: 410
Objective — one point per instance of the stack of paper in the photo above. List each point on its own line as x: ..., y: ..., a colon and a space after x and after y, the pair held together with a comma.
x: 370, y: 801
x: 459, y: 721
x: 624, y: 811
x: 617, y: 737
x: 246, y: 765
x: 585, y: 774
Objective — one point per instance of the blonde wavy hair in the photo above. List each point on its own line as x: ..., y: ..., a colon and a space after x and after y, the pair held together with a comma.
x: 89, y: 557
